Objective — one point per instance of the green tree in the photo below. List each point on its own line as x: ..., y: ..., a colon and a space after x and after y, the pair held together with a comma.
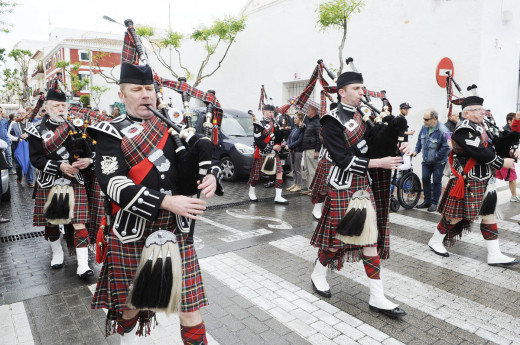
x: 335, y: 14
x: 96, y: 92
x: 6, y: 7
x: 221, y: 33
x: 16, y: 80
x: 85, y: 100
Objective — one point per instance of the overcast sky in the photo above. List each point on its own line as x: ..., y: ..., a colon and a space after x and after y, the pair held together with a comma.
x: 33, y: 19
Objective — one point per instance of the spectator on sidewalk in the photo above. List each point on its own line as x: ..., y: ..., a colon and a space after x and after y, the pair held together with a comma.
x: 4, y: 128
x: 3, y: 165
x: 17, y: 133
x: 505, y: 173
x: 311, y: 144
x: 453, y: 119
x: 294, y: 143
x: 404, y: 108
x: 435, y: 150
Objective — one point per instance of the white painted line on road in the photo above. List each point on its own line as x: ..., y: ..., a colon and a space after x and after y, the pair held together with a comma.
x: 315, y: 320
x: 15, y: 325
x: 474, y: 237
x: 502, y: 277
x: 167, y: 332
x: 237, y: 234
x: 473, y: 317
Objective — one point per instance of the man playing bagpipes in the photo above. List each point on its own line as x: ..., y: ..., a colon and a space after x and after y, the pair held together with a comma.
x: 268, y: 143
x: 145, y: 180
x: 61, y: 193
x: 347, y: 229
x: 470, y: 192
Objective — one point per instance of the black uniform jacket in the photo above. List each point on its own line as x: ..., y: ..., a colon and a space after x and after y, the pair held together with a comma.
x: 139, y: 203
x: 471, y: 141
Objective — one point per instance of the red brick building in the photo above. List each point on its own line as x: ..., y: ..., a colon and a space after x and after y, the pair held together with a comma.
x: 93, y: 55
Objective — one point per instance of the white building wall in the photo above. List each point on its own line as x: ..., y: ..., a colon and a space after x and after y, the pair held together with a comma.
x: 396, y: 44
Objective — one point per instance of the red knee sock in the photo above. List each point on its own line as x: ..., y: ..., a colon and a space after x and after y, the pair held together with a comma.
x: 445, y: 226
x: 489, y: 231
x: 80, y: 238
x: 325, y: 256
x: 195, y: 335
x: 372, y: 266
x: 278, y: 184
x: 52, y: 233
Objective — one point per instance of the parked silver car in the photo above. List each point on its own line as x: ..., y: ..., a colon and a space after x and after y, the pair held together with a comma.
x: 6, y: 192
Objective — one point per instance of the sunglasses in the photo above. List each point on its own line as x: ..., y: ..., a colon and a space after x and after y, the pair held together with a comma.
x: 426, y: 119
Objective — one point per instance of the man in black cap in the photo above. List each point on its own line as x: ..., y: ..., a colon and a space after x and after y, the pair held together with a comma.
x: 404, y: 108
x: 345, y: 137
x: 268, y: 143
x: 469, y: 193
x: 50, y: 149
x: 145, y: 181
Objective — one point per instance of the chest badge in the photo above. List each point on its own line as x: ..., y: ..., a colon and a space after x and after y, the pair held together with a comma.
x: 132, y: 130
x: 351, y: 125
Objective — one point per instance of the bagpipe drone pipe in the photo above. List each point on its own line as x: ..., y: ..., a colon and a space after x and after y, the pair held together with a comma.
x: 158, y: 280
x: 386, y: 131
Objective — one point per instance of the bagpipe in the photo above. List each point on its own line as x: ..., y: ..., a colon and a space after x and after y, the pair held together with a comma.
x: 503, y: 141
x: 386, y: 131
x: 158, y: 281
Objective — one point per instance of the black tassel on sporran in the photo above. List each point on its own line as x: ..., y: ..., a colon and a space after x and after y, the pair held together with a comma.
x: 489, y: 202
x: 158, y: 282
x: 359, y: 225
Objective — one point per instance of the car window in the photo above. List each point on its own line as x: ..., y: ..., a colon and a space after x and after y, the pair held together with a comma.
x: 237, y: 126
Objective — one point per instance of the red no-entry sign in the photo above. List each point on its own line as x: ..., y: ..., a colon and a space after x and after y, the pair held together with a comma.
x: 444, y: 66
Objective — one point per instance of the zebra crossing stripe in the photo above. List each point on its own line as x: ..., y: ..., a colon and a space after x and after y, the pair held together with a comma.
x: 313, y: 319
x: 14, y: 325
x: 469, y: 267
x: 460, y: 312
x: 473, y: 237
x: 167, y: 332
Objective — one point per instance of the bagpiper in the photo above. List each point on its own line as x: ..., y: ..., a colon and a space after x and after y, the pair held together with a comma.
x: 63, y: 196
x: 470, y: 192
x: 268, y: 143
x: 347, y: 229
x: 145, y: 181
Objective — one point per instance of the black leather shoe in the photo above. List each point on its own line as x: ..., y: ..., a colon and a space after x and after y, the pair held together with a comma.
x: 86, y: 274
x: 396, y: 312
x: 254, y: 200
x: 269, y: 184
x: 432, y: 208
x: 57, y: 267
x: 439, y: 253
x: 325, y: 294
x: 282, y: 202
x: 423, y: 205
x: 506, y: 264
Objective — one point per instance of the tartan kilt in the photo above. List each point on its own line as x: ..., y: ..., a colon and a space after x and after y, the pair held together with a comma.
x: 381, y: 182
x: 468, y: 207
x: 95, y: 203
x: 122, y: 260
x: 81, y: 206
x: 256, y: 169
x: 335, y: 207
x: 319, y: 186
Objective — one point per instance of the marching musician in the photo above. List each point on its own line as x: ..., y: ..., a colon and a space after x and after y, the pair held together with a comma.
x: 345, y: 137
x: 50, y: 150
x: 473, y: 162
x: 268, y: 143
x: 141, y: 174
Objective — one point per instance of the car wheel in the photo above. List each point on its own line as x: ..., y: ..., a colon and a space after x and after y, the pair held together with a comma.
x: 229, y: 172
x: 7, y: 195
